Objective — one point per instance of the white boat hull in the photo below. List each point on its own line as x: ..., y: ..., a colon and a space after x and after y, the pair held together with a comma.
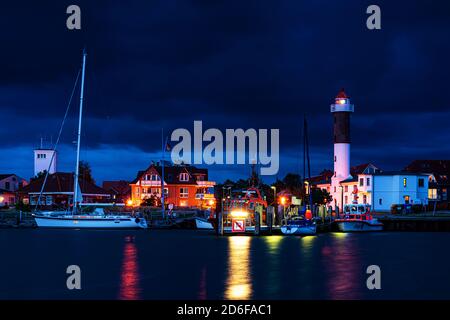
x: 359, y: 226
x: 105, y: 222
x: 299, y: 230
x: 203, y: 224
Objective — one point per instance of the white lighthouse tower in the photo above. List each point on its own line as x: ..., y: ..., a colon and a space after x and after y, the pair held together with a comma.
x: 341, y: 111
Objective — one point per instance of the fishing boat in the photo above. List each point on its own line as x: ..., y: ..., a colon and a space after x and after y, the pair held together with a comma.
x: 357, y: 218
x: 75, y: 218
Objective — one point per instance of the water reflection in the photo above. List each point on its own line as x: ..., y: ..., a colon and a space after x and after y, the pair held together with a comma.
x: 202, y: 292
x: 238, y: 283
x: 129, y: 285
x: 273, y: 275
x: 341, y: 258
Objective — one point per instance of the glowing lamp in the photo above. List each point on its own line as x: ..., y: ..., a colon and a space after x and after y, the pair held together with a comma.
x: 129, y: 202
x: 211, y: 202
x: 283, y: 200
x: 308, y: 214
x: 342, y: 101
x: 239, y: 214
x: 1, y: 199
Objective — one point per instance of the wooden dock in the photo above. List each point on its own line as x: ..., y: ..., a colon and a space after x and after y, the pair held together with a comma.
x: 418, y: 222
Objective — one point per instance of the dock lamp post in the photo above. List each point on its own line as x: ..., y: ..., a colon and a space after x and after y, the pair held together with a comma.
x: 274, y: 194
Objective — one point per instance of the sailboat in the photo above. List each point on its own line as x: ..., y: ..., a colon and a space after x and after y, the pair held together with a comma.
x: 302, y: 224
x: 76, y: 219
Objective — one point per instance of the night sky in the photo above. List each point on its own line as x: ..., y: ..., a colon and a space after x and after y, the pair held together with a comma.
x: 231, y: 64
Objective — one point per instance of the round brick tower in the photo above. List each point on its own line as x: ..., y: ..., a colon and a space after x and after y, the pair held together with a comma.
x: 341, y: 110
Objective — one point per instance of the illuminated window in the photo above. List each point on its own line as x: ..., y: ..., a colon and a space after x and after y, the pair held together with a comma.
x: 432, y: 194
x: 404, y: 182
x: 406, y: 199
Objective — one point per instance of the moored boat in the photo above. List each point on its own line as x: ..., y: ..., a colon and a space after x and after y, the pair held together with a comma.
x: 299, y: 226
x: 90, y: 221
x: 75, y: 218
x: 203, y: 224
x: 357, y: 218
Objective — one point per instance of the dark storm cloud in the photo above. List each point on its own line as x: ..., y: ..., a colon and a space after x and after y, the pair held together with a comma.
x: 260, y: 64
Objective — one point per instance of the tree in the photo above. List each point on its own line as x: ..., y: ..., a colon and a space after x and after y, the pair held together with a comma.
x: 320, y: 196
x: 152, y: 201
x: 85, y: 172
x: 293, y: 183
x: 40, y: 174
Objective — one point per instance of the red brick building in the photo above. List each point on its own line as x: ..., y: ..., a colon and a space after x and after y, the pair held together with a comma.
x: 120, y: 190
x: 184, y: 186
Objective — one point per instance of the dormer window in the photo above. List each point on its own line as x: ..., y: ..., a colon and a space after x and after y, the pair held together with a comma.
x: 184, y: 177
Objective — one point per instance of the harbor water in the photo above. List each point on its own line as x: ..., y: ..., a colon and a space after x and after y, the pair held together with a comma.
x: 185, y: 264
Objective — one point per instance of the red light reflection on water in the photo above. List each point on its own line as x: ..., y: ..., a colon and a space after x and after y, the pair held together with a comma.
x: 202, y: 294
x: 129, y: 283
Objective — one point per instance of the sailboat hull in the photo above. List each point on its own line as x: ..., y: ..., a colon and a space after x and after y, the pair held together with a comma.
x: 75, y: 222
x: 203, y: 224
x: 306, y: 230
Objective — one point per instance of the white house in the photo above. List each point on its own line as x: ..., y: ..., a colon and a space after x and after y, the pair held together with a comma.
x: 401, y: 187
x: 380, y: 189
x: 9, y: 184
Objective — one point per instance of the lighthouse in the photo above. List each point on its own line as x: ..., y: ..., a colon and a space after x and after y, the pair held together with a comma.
x: 341, y: 110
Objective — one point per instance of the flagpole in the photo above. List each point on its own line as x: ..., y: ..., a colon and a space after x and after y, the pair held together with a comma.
x: 162, y: 176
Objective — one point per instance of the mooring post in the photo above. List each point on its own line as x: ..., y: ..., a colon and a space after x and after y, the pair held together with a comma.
x: 270, y: 212
x: 257, y: 221
x: 220, y: 223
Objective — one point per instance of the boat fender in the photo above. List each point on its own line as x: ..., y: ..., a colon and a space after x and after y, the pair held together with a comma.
x: 137, y: 220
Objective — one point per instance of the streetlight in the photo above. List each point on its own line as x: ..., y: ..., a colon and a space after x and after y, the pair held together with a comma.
x: 274, y: 194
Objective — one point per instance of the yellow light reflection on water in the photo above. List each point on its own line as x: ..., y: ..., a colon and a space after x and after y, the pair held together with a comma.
x: 308, y: 239
x: 339, y: 235
x: 273, y: 242
x: 238, y: 284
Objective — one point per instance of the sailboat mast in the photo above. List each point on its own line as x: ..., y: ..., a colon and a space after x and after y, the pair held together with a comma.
x: 77, y: 166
